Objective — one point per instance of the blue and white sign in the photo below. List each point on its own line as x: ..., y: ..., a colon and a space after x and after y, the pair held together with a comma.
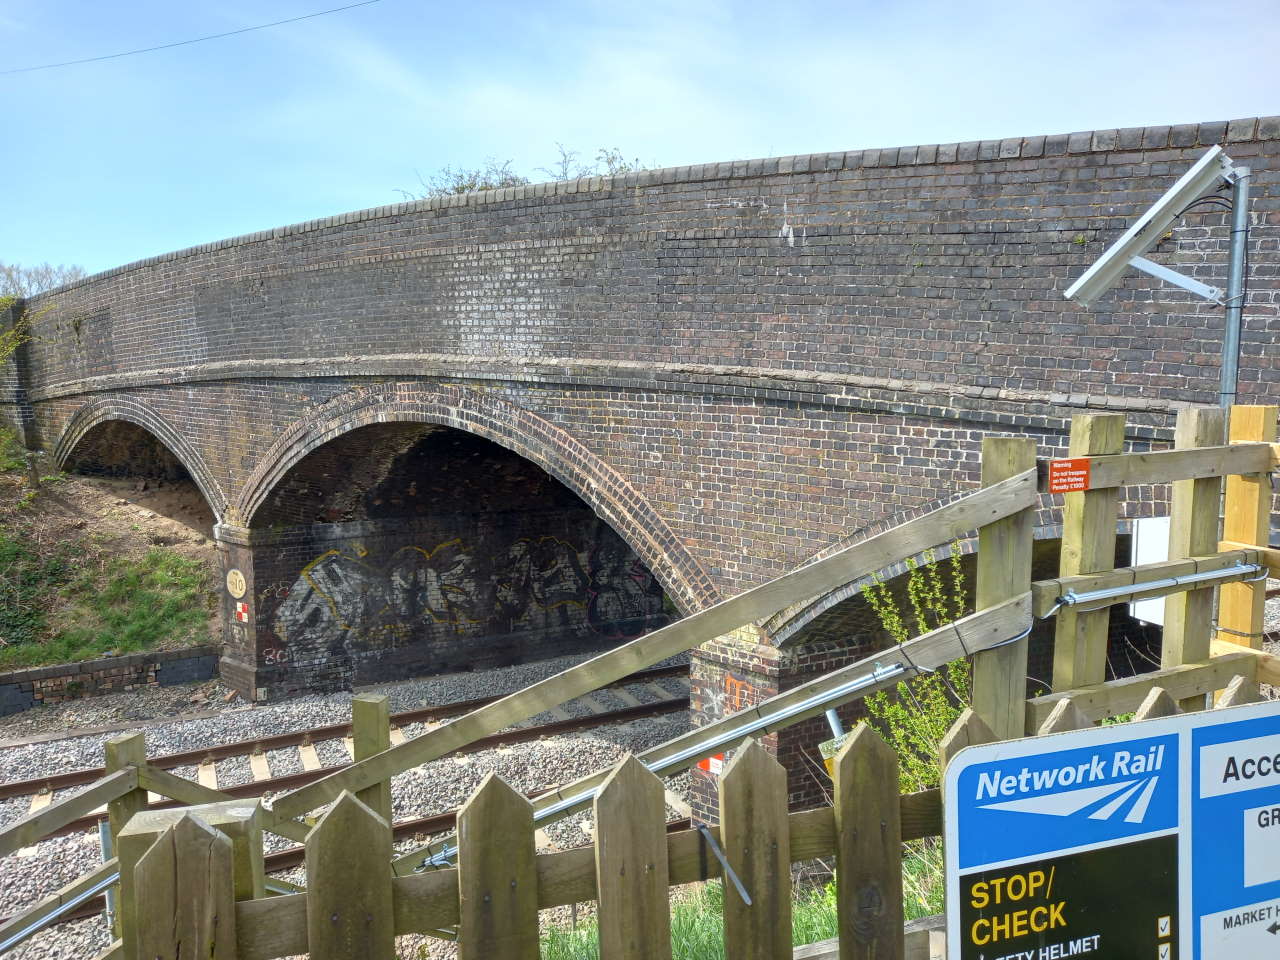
x: 1144, y: 840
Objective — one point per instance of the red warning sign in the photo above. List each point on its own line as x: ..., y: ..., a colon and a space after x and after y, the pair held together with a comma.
x: 242, y: 612
x: 1069, y: 476
x: 712, y: 765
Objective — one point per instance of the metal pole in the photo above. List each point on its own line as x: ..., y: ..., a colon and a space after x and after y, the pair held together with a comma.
x: 1235, y: 287
x: 108, y: 851
x: 833, y: 721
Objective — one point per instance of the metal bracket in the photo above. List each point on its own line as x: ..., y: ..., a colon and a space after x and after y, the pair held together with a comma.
x: 1161, y: 272
x: 724, y: 863
x: 1230, y: 172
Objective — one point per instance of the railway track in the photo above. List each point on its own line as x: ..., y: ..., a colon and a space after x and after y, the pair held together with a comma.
x: 642, y: 693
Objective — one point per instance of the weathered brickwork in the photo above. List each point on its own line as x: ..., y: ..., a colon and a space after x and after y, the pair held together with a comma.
x: 736, y: 366
x: 24, y: 689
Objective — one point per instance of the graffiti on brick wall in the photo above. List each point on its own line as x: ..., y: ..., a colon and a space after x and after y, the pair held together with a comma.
x: 341, y: 601
x: 341, y: 598
x: 733, y: 694
x: 620, y: 591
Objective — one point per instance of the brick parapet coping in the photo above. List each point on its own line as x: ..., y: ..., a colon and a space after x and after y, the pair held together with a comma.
x: 1243, y: 130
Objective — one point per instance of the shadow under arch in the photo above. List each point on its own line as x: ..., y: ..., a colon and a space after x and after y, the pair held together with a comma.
x: 98, y: 412
x: 519, y: 430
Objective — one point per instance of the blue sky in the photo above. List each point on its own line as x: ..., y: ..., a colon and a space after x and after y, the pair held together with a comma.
x: 106, y: 163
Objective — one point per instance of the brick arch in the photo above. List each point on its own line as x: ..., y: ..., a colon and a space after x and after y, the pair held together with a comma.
x: 140, y: 414
x: 786, y: 627
x: 517, y: 429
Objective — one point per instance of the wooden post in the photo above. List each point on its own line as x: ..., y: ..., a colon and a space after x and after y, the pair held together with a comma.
x: 868, y: 849
x: 1158, y: 703
x: 1088, y: 546
x: 497, y: 877
x: 349, y: 910
x: 1004, y: 571
x: 238, y: 820
x: 1064, y: 716
x: 1193, y: 530
x: 121, y: 752
x: 631, y: 865
x: 757, y: 843
x: 184, y: 888
x: 967, y: 731
x: 1239, y: 691
x: 371, y: 733
x: 1247, y: 519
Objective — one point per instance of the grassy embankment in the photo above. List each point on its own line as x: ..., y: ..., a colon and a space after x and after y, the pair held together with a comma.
x: 77, y: 595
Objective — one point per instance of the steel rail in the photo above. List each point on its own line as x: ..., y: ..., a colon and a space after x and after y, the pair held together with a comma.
x: 288, y: 781
x: 223, y: 751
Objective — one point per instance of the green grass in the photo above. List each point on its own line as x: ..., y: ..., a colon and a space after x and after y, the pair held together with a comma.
x: 697, y: 926
x: 26, y: 580
x: 79, y: 601
x: 120, y: 605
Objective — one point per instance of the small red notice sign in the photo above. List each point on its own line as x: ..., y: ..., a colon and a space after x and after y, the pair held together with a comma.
x: 1069, y: 476
x: 712, y: 765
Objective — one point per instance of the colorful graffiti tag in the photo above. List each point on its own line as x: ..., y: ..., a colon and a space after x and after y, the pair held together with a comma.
x: 342, y: 602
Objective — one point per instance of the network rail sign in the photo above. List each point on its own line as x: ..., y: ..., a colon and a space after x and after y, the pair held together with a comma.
x: 1145, y: 841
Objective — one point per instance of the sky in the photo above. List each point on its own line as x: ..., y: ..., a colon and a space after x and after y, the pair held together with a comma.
x: 105, y: 163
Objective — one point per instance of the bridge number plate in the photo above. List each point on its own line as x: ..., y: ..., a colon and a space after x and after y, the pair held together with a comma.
x: 1143, y: 841
x: 236, y: 585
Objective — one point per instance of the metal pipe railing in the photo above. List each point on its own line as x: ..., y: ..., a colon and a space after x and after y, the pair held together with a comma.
x: 1073, y: 599
x: 37, y: 925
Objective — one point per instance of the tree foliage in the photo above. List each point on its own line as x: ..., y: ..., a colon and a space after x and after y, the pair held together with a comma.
x: 494, y: 174
x: 917, y: 714
x: 19, y: 281
x: 16, y: 331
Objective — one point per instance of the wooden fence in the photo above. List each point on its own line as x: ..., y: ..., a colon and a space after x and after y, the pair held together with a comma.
x: 186, y: 867
x: 1200, y: 657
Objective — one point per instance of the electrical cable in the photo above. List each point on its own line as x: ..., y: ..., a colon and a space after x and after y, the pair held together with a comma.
x: 1220, y: 201
x: 183, y: 43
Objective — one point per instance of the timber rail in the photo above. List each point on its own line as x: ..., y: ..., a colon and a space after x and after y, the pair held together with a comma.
x: 356, y: 900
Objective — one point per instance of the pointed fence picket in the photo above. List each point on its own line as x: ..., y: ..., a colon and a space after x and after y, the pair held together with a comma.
x: 349, y: 884
x: 631, y: 865
x: 757, y: 844
x: 187, y: 877
x: 353, y: 908
x: 497, y: 876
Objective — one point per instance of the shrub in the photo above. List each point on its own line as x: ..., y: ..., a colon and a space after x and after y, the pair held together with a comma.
x: 915, y: 716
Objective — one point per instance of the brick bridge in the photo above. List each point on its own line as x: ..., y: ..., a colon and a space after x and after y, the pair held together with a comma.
x: 544, y: 418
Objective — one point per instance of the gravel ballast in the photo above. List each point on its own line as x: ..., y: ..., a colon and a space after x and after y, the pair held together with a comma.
x: 28, y: 876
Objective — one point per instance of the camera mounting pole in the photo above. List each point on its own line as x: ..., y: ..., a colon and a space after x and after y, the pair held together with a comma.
x: 1235, y: 284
